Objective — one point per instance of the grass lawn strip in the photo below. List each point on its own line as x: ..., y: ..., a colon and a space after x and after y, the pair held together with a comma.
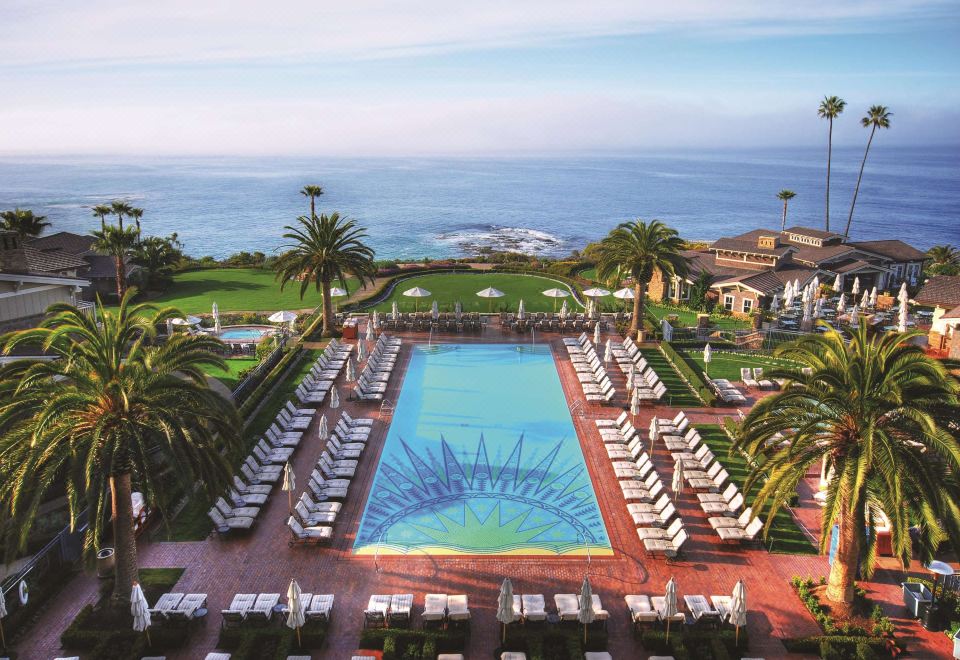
x: 689, y: 318
x: 678, y: 394
x: 728, y: 365
x: 231, y: 375
x: 785, y: 536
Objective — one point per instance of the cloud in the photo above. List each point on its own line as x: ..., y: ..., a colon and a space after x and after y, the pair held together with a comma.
x: 119, y: 32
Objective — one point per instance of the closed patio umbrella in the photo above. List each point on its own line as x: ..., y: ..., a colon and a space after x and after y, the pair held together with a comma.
x: 564, y: 311
x: 351, y: 370
x: 394, y: 312
x: 903, y: 292
x: 632, y: 375
x: 370, y: 334
x: 669, y: 604
x: 490, y: 293
x: 677, y: 483
x: 856, y: 286
x: 3, y: 613
x: 434, y: 311
x: 796, y: 286
x: 855, y: 316
x: 458, y: 311
x: 140, y: 610
x: 216, y: 318
x: 416, y: 293
x: 596, y: 335
x: 607, y: 352
x: 586, y: 613
x: 707, y: 357
x: 775, y: 303
x: 738, y: 607
x: 556, y: 293
x: 816, y: 284
x: 521, y: 311
x: 838, y: 283
x: 842, y: 304
x: 361, y: 351
x: 902, y: 318
x: 505, y: 606
x: 296, y: 616
x: 865, y: 299
x: 818, y: 309
x: 334, y: 398
x: 289, y: 483
x: 807, y: 310
x: 635, y: 403
x: 788, y: 296
x: 323, y: 431
x: 873, y: 297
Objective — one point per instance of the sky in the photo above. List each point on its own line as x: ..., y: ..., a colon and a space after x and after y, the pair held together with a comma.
x: 411, y: 77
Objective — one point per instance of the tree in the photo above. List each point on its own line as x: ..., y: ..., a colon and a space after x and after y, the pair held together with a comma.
x: 120, y: 208
x: 944, y: 260
x: 699, y: 299
x: 878, y: 116
x: 325, y: 249
x: 118, y: 243
x: 114, y: 412
x: 830, y: 108
x: 24, y: 222
x: 312, y: 192
x: 157, y: 258
x: 136, y: 214
x: 879, y: 412
x: 640, y: 249
x: 785, y: 196
x: 102, y: 211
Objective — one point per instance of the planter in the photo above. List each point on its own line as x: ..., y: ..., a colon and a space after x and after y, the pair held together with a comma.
x: 105, y: 563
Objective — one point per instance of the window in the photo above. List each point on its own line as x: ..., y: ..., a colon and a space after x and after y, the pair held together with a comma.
x: 747, y: 305
x: 728, y: 303
x: 676, y: 285
x: 913, y: 272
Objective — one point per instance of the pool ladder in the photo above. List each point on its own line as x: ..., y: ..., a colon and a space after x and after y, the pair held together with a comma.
x: 386, y: 408
x: 577, y: 408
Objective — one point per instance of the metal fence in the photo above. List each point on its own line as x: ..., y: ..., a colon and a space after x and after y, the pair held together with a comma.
x: 256, y: 376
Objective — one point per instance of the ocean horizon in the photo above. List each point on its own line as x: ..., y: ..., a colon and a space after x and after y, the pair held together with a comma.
x: 449, y: 206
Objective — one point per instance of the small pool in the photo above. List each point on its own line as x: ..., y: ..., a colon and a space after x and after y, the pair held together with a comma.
x: 245, y: 333
x: 482, y: 458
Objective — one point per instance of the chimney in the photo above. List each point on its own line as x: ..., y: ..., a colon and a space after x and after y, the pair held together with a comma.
x: 768, y: 242
x: 12, y: 258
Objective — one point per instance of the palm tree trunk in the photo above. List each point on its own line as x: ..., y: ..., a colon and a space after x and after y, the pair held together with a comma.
x: 120, y: 221
x: 639, y: 292
x: 843, y: 572
x: 124, y: 541
x: 783, y: 222
x: 856, y: 191
x: 121, y: 277
x: 313, y: 213
x: 829, y: 157
x: 327, y: 330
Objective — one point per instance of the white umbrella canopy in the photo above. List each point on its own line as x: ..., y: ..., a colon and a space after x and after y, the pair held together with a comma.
x: 564, y: 310
x: 626, y: 293
x: 707, y: 358
x: 818, y: 309
x: 596, y: 292
x: 556, y: 293
x: 902, y: 317
x: 775, y: 303
x: 596, y: 335
x: 855, y: 316
x: 458, y: 311
x: 337, y: 292
x: 738, y: 607
x: 815, y: 285
x: 351, y: 370
x: 394, y: 311
x: 370, y: 336
x: 190, y: 320
x: 635, y: 402
x: 796, y: 286
x: 282, y: 317
x: 669, y: 603
x: 903, y: 295
x: 3, y: 613
x: 376, y: 320
x: 323, y: 430
x: 139, y: 608
x: 807, y: 310
x: 873, y: 297
x: 607, y: 352
x: 521, y: 310
x: 788, y: 296
x: 856, y: 286
x: 677, y: 483
x: 505, y: 605
x: 490, y: 292
x: 434, y: 311
x: 654, y: 429
x: 415, y: 293
x: 842, y: 304
x: 296, y: 615
x: 334, y: 398
x: 216, y: 318
x: 838, y: 283
x: 586, y: 614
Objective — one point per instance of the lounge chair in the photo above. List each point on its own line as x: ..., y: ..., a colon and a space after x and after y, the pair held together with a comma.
x: 764, y: 383
x: 701, y: 611
x: 311, y: 518
x: 458, y: 608
x: 375, y: 615
x: 434, y: 608
x: 600, y: 615
x: 645, y: 507
x: 401, y: 606
x: 723, y: 508
x: 725, y: 496
x: 262, y: 610
x: 166, y: 603
x: 606, y: 423
x: 670, y: 548
x: 641, y: 609
x: 534, y: 607
x: 728, y: 521
x: 663, y: 533
x: 313, y: 534
x: 654, y: 518
x: 327, y: 489
x: 320, y: 608
x: 722, y: 605
x: 228, y: 524
x: 252, y: 499
x: 239, y: 606
x: 236, y: 512
x: 639, y: 492
x: 746, y: 376
x: 187, y: 608
x: 567, y: 606
x: 355, y: 422
x: 660, y: 605
x: 254, y: 489
x: 319, y: 507
x: 741, y: 534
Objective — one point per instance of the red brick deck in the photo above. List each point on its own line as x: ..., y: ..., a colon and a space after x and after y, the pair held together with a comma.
x: 262, y: 561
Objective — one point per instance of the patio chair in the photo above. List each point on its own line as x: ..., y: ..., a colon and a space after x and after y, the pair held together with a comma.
x: 616, y: 423
x: 236, y: 614
x: 722, y: 605
x: 746, y: 377
x: 434, y: 608
x: 764, y: 383
x: 458, y: 609
x: 669, y: 548
x: 236, y: 512
x: 262, y: 610
x: 355, y: 422
x: 639, y: 493
x: 727, y: 521
x: 534, y: 607
x: 640, y: 609
x: 227, y: 524
x: 166, y: 603
x: 251, y: 499
x: 312, y: 534
x: 295, y: 412
x: 567, y: 606
x: 254, y: 489
x: 400, y: 608
x: 600, y: 615
x: 650, y: 533
x: 741, y: 534
x: 723, y: 508
x: 340, y: 451
x: 660, y: 605
x: 311, y: 518
x: 653, y: 518
x: 327, y: 489
x: 187, y: 608
x: 375, y: 615
x: 320, y: 608
x: 319, y: 507
x: 725, y: 496
x: 701, y: 611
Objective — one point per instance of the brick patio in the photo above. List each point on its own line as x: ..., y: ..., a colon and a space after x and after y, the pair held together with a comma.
x: 263, y: 562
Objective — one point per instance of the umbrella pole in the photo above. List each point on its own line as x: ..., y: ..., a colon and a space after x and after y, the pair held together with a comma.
x: 503, y: 639
x: 3, y: 638
x: 290, y: 501
x: 147, y: 630
x: 668, y: 628
x: 299, y: 644
x: 737, y: 637
x: 584, y: 633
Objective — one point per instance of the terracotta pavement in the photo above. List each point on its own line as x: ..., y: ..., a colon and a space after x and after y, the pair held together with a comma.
x: 263, y: 562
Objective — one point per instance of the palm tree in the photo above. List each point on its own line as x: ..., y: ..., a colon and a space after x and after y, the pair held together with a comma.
x: 24, y: 222
x: 136, y: 214
x: 878, y: 412
x: 944, y: 260
x: 112, y: 413
x: 785, y: 196
x: 640, y: 249
x: 325, y: 249
x: 830, y: 108
x: 118, y: 243
x: 878, y: 116
x: 120, y: 208
x: 102, y: 211
x: 312, y: 192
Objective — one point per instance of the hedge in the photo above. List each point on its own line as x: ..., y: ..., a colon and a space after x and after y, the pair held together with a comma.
x: 84, y: 635
x: 844, y: 644
x: 696, y: 645
x: 257, y: 395
x: 690, y: 373
x: 563, y: 643
x: 414, y: 644
x: 270, y: 642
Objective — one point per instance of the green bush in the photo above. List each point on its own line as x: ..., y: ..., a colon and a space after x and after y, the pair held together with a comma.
x: 270, y: 642
x: 257, y: 395
x: 842, y: 643
x: 103, y: 633
x: 696, y: 644
x: 414, y: 644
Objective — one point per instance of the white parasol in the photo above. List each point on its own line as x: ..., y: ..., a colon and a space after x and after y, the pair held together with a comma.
x: 216, y: 318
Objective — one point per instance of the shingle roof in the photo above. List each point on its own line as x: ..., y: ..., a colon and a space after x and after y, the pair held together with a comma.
x: 817, y: 255
x: 769, y: 281
x: 953, y: 313
x: 892, y: 249
x: 941, y: 290
x: 848, y: 265
x: 101, y: 266
x: 810, y: 231
x: 741, y: 244
x: 64, y: 240
x: 51, y: 261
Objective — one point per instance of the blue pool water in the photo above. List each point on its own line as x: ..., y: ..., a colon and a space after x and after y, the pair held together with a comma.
x: 242, y: 333
x: 482, y: 458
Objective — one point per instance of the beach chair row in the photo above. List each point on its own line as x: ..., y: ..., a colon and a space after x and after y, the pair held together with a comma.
x: 591, y: 373
x: 727, y: 391
x: 178, y: 608
x: 315, y: 386
x: 314, y: 514
x: 659, y: 525
x: 260, y: 609
x: 532, y: 608
x: 645, y: 379
x: 372, y: 382
x: 646, y: 611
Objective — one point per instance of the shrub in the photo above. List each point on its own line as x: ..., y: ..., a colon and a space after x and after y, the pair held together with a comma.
x: 689, y: 372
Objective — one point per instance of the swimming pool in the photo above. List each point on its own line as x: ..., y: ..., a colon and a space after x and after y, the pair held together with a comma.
x: 482, y: 458
x: 241, y: 334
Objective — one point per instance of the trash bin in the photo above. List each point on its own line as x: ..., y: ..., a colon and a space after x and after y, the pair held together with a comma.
x: 105, y: 563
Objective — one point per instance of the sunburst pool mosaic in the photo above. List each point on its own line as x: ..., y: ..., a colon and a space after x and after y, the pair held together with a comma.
x: 482, y: 459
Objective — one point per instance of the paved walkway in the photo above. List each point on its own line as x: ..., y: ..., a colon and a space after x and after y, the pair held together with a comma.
x: 263, y: 562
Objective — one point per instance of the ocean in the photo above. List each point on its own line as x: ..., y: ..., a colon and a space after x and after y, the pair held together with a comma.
x: 436, y: 207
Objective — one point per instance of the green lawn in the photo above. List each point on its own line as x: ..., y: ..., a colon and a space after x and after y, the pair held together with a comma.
x: 678, y: 394
x: 230, y: 375
x: 689, y: 318
x: 728, y: 365
x: 785, y: 536
x: 589, y: 274
x: 447, y: 289
x: 236, y: 290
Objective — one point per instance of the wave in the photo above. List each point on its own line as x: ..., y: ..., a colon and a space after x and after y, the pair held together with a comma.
x: 502, y: 239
